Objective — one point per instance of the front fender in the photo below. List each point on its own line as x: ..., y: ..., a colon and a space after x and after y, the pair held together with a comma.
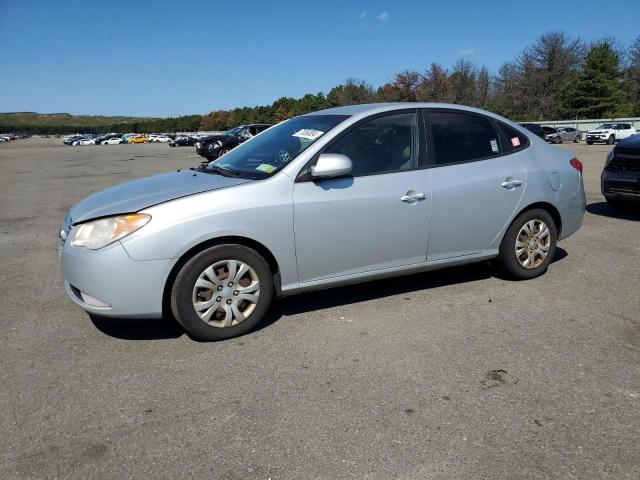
x: 261, y: 211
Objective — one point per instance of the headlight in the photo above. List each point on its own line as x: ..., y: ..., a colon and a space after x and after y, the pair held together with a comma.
x: 609, y: 158
x: 100, y: 233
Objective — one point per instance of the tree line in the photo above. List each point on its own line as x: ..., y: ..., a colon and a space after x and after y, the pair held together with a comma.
x: 556, y: 77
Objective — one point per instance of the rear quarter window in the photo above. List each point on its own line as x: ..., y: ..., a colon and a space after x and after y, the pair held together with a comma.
x: 513, y: 139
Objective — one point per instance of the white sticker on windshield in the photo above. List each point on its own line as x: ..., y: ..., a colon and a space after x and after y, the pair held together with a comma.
x: 494, y: 145
x: 308, y: 133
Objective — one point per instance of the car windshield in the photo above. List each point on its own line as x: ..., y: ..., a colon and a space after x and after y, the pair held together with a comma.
x: 607, y: 126
x: 235, y: 131
x: 269, y: 152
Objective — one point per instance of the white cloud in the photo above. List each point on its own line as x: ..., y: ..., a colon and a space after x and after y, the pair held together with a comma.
x: 383, y: 16
x: 467, y: 52
x: 363, y: 14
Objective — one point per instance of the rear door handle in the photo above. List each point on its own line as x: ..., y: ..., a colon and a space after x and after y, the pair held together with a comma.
x: 509, y: 183
x: 412, y: 196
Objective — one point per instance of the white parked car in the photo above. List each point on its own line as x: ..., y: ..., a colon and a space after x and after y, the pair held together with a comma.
x: 84, y: 141
x: 112, y: 141
x: 159, y: 138
x: 610, y: 132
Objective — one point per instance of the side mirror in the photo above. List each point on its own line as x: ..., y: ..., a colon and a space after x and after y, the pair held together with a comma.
x: 331, y: 165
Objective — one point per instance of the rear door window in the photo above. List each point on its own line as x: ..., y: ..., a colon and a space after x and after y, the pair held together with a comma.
x: 462, y: 137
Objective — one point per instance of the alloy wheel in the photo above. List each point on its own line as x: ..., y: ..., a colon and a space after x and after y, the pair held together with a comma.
x: 533, y: 243
x: 226, y: 293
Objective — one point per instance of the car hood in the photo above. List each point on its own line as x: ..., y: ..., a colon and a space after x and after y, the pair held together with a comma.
x: 630, y: 142
x: 601, y: 131
x: 136, y: 195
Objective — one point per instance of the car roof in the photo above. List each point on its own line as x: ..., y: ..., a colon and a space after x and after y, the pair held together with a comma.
x: 366, y: 109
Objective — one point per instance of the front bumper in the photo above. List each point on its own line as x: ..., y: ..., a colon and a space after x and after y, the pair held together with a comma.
x: 620, y: 185
x: 108, y: 282
x: 597, y: 138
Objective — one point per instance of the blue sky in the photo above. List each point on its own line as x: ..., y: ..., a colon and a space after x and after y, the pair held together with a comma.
x: 160, y: 58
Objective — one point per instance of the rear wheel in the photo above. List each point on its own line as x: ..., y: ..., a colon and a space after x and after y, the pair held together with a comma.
x: 528, y: 245
x: 222, y: 292
x: 577, y: 139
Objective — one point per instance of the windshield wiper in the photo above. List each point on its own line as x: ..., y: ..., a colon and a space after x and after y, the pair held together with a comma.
x: 225, y: 172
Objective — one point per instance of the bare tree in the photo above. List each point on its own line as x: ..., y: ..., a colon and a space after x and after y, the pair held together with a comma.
x: 482, y: 88
x: 463, y: 82
x: 434, y: 85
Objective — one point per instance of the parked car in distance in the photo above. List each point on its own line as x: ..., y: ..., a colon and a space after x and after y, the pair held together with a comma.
x: 569, y: 134
x: 610, y: 132
x: 370, y: 191
x: 159, y: 138
x: 138, y: 139
x: 84, y: 142
x: 71, y: 138
x: 214, y: 146
x: 534, y: 128
x: 112, y: 141
x: 620, y: 180
x: 184, y: 141
x: 551, y: 135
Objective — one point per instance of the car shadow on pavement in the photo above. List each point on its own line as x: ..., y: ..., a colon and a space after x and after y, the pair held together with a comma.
x: 136, y: 329
x: 605, y: 210
x: 167, y: 328
x: 403, y: 285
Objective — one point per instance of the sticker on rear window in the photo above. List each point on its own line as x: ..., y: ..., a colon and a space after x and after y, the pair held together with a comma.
x: 266, y: 168
x: 515, y: 141
x: 308, y: 133
x: 494, y: 145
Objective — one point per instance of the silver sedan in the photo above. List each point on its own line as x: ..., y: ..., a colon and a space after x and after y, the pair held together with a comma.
x: 329, y: 198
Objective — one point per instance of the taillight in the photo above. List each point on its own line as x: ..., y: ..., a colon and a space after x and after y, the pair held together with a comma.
x: 577, y: 164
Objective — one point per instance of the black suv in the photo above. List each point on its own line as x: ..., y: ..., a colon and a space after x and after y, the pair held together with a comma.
x: 214, y: 146
x: 620, y: 180
x: 534, y: 128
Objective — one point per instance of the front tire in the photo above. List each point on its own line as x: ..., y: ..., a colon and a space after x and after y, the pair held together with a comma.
x: 222, y: 292
x: 610, y: 140
x: 528, y: 245
x: 589, y: 143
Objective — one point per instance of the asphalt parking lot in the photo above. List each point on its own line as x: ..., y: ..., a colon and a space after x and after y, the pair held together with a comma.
x: 452, y: 374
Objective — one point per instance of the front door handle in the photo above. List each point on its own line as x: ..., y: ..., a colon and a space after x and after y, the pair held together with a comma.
x: 413, y: 196
x: 509, y: 183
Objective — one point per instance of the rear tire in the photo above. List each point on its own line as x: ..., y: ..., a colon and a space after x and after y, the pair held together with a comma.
x: 226, y: 303
x: 528, y: 245
x: 577, y: 139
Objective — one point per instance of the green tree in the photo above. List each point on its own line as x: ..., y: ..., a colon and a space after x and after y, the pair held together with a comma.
x: 596, y: 92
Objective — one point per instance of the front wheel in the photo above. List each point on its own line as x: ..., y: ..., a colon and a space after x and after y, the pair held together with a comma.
x: 589, y: 143
x: 610, y: 140
x: 528, y: 245
x: 222, y: 292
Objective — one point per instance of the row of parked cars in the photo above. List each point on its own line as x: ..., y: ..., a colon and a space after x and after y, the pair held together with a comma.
x: 209, y: 147
x: 8, y: 137
x: 608, y: 133
x: 115, y: 139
